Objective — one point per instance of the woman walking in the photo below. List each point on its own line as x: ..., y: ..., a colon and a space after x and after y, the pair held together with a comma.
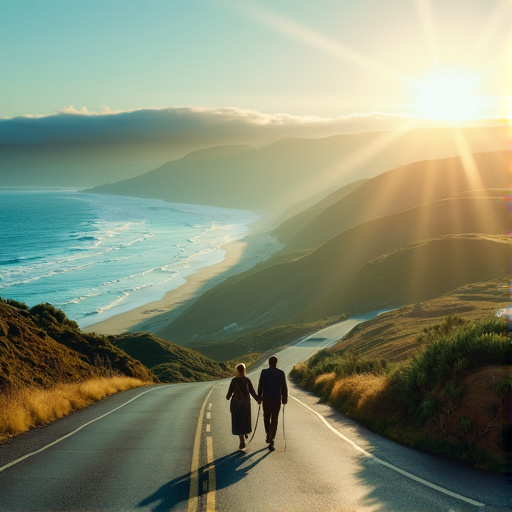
x: 240, y: 391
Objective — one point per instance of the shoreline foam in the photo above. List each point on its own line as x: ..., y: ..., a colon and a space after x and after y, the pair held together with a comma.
x: 154, y: 316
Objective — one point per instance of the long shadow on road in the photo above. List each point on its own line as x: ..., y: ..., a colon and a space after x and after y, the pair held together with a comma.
x: 470, y: 484
x: 229, y: 469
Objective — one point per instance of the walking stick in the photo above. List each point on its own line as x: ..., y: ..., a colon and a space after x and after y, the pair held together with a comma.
x: 256, y: 424
x: 284, y: 435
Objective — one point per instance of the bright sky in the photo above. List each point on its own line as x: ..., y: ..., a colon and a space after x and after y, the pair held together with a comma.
x: 323, y: 58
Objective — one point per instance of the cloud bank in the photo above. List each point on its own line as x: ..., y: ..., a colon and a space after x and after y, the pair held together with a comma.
x: 186, y: 128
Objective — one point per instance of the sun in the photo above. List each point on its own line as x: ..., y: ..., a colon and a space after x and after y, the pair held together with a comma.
x: 448, y: 96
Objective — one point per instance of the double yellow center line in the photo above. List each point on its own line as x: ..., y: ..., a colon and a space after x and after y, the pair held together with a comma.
x: 193, y: 499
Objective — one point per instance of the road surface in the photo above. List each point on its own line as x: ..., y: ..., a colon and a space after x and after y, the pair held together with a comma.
x: 170, y: 447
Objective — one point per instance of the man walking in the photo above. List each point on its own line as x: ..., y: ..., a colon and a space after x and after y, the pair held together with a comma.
x: 273, y: 391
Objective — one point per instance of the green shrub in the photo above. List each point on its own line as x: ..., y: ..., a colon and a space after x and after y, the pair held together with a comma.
x: 47, y: 315
x: 467, y: 347
x: 15, y: 304
x: 303, y: 375
x: 345, y: 365
x: 432, y: 333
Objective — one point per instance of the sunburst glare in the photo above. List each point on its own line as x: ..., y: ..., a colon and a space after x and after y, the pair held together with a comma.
x: 449, y: 96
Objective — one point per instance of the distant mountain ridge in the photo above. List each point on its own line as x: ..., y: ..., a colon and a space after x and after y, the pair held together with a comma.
x: 408, y: 235
x: 276, y: 177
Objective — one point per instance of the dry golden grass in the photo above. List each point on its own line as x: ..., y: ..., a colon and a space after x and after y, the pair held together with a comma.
x: 25, y: 408
x: 359, y: 394
x: 324, y: 383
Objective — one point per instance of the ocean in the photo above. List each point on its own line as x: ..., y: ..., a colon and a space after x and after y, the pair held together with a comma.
x: 95, y: 256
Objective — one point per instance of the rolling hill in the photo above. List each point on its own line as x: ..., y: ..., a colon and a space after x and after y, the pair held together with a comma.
x: 42, y: 347
x: 168, y: 361
x: 410, y: 234
x: 402, y: 188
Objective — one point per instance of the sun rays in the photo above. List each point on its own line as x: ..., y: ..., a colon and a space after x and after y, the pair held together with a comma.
x: 449, y: 92
x: 310, y: 37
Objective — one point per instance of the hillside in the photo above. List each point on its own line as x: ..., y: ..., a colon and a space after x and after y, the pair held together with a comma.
x: 427, y: 229
x: 42, y: 347
x: 168, y: 361
x: 274, y: 178
x: 416, y: 272
x: 294, y: 222
x: 400, y: 189
x: 397, y: 335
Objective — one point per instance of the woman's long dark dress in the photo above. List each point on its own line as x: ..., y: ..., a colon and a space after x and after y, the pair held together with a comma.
x: 239, y: 391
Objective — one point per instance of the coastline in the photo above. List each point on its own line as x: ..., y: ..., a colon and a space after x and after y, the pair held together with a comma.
x: 154, y: 316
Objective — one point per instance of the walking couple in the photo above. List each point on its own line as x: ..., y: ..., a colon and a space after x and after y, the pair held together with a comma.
x: 272, y: 392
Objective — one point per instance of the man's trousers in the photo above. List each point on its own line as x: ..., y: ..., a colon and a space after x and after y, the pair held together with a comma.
x: 270, y: 414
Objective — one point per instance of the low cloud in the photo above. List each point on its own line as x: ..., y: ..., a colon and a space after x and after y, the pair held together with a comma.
x: 187, y: 128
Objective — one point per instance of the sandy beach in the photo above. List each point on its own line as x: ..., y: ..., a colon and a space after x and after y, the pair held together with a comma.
x: 154, y: 316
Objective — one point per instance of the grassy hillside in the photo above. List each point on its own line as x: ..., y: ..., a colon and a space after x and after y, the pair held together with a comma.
x: 48, y: 368
x: 398, y: 334
x: 436, y: 382
x: 41, y: 347
x: 297, y: 216
x: 169, y: 362
x: 403, y: 188
x: 275, y: 177
x: 392, y: 336
x: 417, y: 272
x: 410, y: 251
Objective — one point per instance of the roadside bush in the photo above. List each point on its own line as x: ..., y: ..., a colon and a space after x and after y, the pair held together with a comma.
x: 347, y: 364
x: 482, y: 343
x: 303, y: 376
x: 324, y: 383
x: 432, y: 333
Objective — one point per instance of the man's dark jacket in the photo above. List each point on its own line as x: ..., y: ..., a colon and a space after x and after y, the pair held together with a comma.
x: 272, y: 385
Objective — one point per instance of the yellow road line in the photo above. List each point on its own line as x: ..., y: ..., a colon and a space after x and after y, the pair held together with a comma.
x: 193, y: 497
x: 212, y: 482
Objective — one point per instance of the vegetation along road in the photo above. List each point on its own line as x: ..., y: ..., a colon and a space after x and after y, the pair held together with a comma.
x: 169, y: 447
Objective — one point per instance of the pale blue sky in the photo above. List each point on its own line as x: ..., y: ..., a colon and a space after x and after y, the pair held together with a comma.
x: 323, y: 58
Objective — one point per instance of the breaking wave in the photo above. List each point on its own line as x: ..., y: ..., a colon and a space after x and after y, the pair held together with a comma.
x: 95, y: 256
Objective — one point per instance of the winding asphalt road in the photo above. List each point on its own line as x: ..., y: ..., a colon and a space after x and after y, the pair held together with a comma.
x: 170, y: 447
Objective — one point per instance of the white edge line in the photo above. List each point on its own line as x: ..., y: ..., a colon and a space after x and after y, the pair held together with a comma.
x: 391, y: 466
x: 17, y: 461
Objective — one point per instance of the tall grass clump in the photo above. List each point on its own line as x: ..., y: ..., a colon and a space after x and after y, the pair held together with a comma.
x: 345, y: 365
x: 349, y: 382
x: 29, y: 407
x: 441, y: 364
